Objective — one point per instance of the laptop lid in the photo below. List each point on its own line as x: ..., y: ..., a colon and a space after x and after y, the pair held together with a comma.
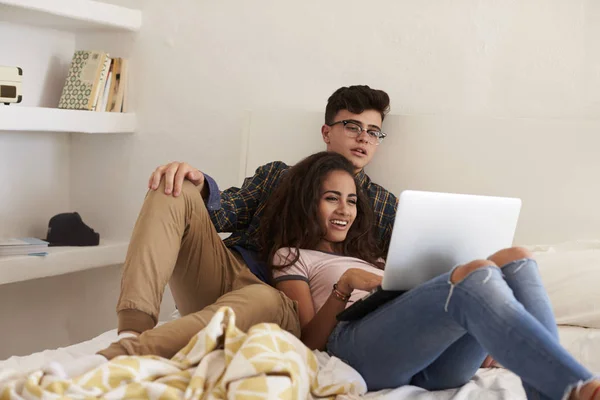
x: 434, y: 232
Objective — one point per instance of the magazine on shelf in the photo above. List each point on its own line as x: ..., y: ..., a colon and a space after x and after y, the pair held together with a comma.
x: 23, y: 246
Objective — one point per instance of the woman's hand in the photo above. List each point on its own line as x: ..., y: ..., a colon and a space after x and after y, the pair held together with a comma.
x: 356, y: 278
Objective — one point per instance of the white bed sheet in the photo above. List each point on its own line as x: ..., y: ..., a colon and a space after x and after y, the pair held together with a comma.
x: 489, y: 384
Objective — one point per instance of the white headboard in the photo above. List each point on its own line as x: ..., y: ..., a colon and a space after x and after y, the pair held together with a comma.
x: 279, y: 136
x: 552, y: 165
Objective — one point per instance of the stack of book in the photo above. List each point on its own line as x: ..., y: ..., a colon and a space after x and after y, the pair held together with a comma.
x: 96, y: 82
x: 23, y: 247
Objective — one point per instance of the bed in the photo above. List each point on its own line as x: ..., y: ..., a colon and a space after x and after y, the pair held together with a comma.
x: 570, y: 271
x: 494, y: 383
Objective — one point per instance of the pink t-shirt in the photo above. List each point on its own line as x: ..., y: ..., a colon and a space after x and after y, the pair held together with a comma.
x: 320, y: 270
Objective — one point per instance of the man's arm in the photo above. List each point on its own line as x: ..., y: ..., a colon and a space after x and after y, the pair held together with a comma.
x: 387, y: 224
x: 230, y: 209
x: 238, y: 205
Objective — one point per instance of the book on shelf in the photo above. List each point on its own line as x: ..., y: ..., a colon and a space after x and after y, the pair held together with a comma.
x: 101, y: 85
x: 120, y: 100
x: 23, y: 247
x: 95, y: 82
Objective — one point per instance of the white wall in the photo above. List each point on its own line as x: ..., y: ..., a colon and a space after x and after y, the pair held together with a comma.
x: 199, y: 64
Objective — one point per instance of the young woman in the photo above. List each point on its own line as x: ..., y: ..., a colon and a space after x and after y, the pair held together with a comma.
x: 317, y: 239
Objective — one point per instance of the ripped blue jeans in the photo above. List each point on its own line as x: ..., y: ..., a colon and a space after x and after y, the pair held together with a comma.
x: 436, y: 335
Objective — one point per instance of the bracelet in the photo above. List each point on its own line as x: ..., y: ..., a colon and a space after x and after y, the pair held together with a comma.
x: 341, y: 296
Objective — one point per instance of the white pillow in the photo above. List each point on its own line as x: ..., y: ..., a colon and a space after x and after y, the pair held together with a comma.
x: 572, y: 279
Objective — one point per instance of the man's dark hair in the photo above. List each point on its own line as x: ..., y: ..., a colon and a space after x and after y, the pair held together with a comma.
x: 357, y: 99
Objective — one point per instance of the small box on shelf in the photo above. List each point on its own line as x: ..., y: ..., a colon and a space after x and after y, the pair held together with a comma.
x: 10, y: 84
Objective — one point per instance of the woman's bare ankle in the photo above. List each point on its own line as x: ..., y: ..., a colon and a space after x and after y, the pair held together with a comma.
x: 589, y: 391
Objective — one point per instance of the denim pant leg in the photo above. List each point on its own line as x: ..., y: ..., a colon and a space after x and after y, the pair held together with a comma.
x: 523, y: 277
x: 392, y: 344
x: 454, y: 368
x: 399, y: 339
x: 466, y: 355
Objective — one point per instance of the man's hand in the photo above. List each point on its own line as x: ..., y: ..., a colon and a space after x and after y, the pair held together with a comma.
x: 175, y: 173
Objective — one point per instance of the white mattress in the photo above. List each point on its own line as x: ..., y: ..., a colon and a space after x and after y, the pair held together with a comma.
x: 492, y: 384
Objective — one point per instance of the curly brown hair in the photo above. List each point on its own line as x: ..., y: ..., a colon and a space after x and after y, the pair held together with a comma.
x: 290, y: 218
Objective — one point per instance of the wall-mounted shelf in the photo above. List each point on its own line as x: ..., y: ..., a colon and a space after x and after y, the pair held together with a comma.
x: 38, y: 119
x: 61, y: 260
x: 71, y: 15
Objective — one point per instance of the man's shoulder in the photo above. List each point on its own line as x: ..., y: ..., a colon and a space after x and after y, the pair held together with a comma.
x: 379, y: 190
x: 277, y: 164
x: 273, y: 167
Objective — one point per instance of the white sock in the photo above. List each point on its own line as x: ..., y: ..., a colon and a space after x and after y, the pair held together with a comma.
x: 124, y: 335
x: 75, y: 367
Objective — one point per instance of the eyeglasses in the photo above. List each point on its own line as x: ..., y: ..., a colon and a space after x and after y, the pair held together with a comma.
x: 354, y: 130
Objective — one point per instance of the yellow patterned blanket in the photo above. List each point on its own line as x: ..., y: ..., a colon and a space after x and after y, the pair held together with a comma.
x: 220, y: 362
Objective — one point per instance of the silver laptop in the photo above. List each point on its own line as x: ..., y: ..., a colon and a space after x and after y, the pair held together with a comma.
x: 433, y: 232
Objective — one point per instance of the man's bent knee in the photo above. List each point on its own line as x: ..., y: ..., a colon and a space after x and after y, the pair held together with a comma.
x: 463, y: 271
x: 187, y: 188
x: 189, y: 199
x: 506, y: 256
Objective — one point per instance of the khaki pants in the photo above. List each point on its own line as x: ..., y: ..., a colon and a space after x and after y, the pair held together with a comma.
x: 175, y: 242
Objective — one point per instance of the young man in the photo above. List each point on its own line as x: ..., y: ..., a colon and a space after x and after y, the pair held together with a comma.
x: 175, y: 238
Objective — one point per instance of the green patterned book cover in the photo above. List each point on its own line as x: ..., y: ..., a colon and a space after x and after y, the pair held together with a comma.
x: 82, y: 84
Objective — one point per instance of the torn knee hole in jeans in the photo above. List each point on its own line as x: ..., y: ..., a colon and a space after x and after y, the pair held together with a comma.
x: 453, y: 285
x: 521, y: 263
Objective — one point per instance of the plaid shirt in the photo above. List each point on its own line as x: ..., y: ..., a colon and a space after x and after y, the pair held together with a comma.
x: 238, y: 210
